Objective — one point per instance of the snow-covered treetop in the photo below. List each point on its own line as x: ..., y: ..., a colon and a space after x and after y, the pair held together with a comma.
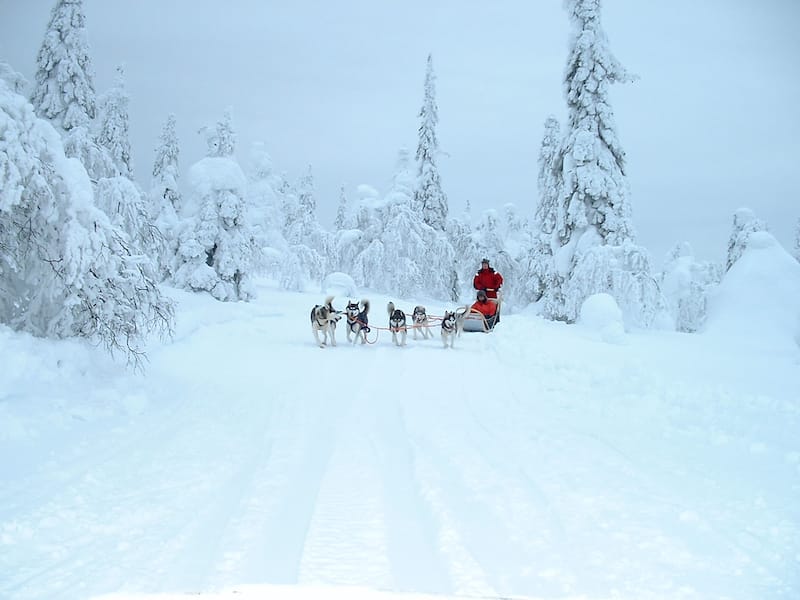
x: 64, y: 91
x: 165, y: 166
x: 305, y: 192
x: 113, y: 132
x: 220, y: 138
x: 428, y: 196
x: 16, y: 81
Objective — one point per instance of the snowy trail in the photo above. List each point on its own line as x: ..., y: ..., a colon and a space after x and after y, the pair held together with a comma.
x: 252, y: 456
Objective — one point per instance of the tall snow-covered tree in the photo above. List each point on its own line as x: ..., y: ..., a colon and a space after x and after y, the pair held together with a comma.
x: 595, y: 249
x: 272, y: 256
x: 403, y: 235
x: 165, y: 197
x: 166, y: 172
x: 114, y: 125
x: 745, y: 222
x: 64, y: 91
x: 309, y: 242
x: 428, y: 195
x: 65, y: 269
x: 215, y: 250
x: 540, y: 271
x: 341, y: 212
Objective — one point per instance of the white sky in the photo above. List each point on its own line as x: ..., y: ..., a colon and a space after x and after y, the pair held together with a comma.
x: 712, y: 124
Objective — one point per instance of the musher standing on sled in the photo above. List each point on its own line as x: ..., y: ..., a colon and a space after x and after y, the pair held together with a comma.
x: 487, y: 279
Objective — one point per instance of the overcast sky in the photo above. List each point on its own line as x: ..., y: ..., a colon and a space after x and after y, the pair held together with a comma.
x: 711, y: 125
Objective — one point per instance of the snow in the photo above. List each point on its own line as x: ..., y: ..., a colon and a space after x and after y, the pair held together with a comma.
x: 601, y: 315
x: 534, y: 461
x: 758, y: 300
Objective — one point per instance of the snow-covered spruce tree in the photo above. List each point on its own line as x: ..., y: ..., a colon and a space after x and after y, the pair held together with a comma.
x: 215, y: 244
x: 165, y: 197
x: 539, y: 279
x: 65, y: 269
x: 428, y: 195
x: 745, y: 222
x: 64, y: 89
x: 113, y: 126
x: 272, y: 254
x: 361, y: 228
x: 685, y: 284
x: 305, y: 236
x: 403, y: 236
x: 341, y: 211
x: 595, y: 249
x: 116, y: 194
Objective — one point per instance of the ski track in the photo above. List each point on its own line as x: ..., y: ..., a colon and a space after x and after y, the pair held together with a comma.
x: 474, y: 490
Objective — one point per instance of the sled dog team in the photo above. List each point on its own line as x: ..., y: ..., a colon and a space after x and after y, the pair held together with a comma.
x: 324, y: 319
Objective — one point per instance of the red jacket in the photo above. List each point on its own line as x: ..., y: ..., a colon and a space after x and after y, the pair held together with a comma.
x: 487, y: 309
x: 488, y: 279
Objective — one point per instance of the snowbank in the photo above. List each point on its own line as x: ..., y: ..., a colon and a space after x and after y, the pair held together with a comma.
x: 339, y: 284
x: 758, y: 300
x: 601, y: 314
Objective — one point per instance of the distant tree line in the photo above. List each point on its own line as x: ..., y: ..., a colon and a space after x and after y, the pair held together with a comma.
x: 84, y: 249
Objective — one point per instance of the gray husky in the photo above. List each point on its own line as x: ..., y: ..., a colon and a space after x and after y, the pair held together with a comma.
x: 397, y: 324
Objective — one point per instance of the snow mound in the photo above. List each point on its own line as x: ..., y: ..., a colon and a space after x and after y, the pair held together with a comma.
x: 339, y: 284
x: 758, y: 300
x: 601, y: 314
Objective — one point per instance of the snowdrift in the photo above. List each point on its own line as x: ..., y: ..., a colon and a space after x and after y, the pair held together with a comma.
x: 758, y: 300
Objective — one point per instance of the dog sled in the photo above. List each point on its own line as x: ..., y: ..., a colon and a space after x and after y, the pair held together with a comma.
x: 474, y: 321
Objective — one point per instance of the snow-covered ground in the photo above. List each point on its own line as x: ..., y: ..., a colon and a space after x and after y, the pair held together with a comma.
x: 541, y: 460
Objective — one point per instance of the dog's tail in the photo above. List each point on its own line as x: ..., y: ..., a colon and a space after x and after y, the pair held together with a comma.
x: 365, y: 304
x: 329, y: 302
x: 390, y: 308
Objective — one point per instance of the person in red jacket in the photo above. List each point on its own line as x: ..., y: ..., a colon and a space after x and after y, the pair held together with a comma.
x: 487, y: 307
x: 487, y: 279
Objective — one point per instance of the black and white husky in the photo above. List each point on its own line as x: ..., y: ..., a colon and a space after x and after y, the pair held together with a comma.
x: 324, y: 318
x: 397, y: 324
x: 452, y: 323
x: 357, y: 321
x: 420, y: 318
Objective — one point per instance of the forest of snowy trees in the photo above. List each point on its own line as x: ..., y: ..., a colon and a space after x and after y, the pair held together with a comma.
x: 84, y: 249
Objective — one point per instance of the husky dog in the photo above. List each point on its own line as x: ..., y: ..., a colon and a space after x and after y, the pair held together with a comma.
x: 449, y: 328
x: 357, y: 321
x: 324, y: 318
x: 452, y: 324
x: 397, y: 324
x: 420, y: 318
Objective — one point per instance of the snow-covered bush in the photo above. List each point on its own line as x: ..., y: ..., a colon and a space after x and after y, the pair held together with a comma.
x: 621, y: 271
x: 215, y: 244
x: 685, y: 284
x: 65, y: 269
